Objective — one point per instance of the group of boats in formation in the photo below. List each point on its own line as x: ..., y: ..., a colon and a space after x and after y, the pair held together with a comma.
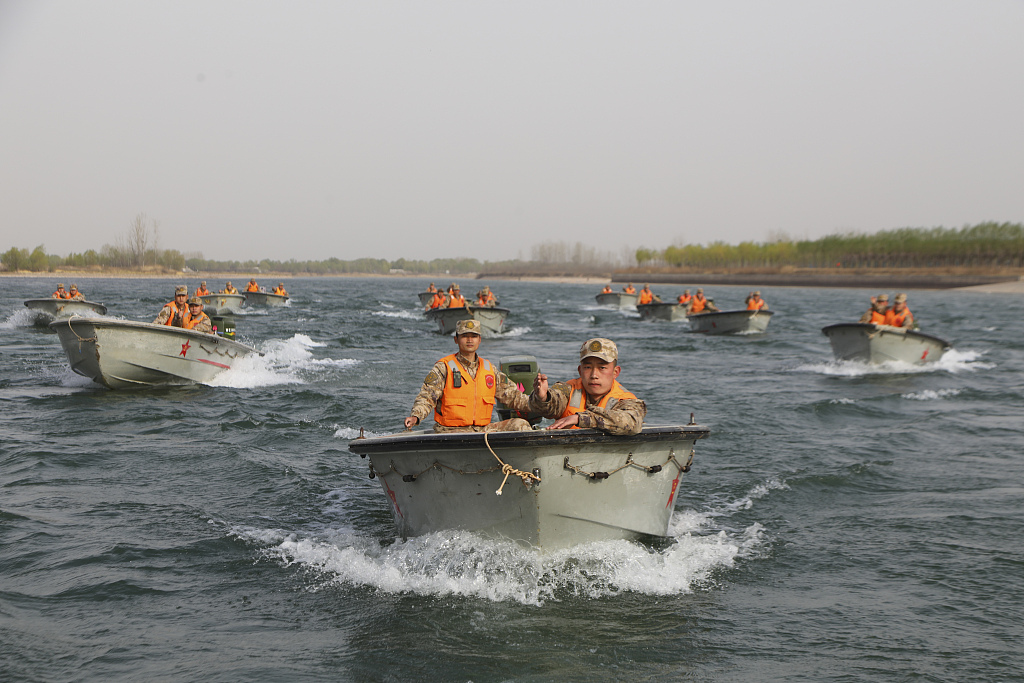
x: 121, y: 354
x: 864, y: 342
x: 545, y: 489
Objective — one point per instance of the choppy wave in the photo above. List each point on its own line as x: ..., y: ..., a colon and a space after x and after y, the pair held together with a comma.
x: 407, y: 315
x: 468, y: 565
x: 350, y: 433
x: 952, y: 361
x: 515, y: 332
x: 23, y: 317
x: 288, y: 361
x: 929, y: 395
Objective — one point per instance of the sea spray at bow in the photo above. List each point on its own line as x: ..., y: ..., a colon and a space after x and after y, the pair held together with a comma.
x: 289, y: 361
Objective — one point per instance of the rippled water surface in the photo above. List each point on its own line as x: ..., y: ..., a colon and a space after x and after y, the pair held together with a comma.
x: 843, y: 522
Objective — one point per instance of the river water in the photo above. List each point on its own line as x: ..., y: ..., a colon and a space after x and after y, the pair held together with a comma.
x: 842, y: 522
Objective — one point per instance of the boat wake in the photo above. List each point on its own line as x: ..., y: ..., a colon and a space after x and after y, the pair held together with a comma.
x: 465, y: 564
x: 511, y: 332
x: 953, y: 361
x: 21, y: 318
x: 288, y: 361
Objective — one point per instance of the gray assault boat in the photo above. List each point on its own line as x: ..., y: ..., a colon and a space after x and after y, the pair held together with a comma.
x: 545, y: 489
x: 48, y: 310
x: 617, y: 299
x: 659, y: 310
x: 425, y: 298
x: 492, y: 319
x: 731, y: 322
x: 222, y: 304
x: 880, y: 343
x: 121, y: 354
x: 265, y: 299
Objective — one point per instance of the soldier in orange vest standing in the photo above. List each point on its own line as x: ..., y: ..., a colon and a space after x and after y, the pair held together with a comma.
x: 595, y: 399
x: 461, y: 389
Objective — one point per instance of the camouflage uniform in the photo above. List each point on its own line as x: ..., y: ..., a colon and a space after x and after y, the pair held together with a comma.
x: 626, y: 416
x: 75, y: 294
x: 505, y: 391
x: 172, y: 309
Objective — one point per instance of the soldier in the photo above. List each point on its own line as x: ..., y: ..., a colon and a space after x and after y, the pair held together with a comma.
x: 74, y: 294
x: 252, y: 286
x: 456, y: 300
x: 756, y: 303
x: 685, y: 297
x: 175, y: 313
x: 198, y: 321
x: 60, y: 293
x: 899, y: 315
x: 203, y: 291
x: 646, y: 296
x: 229, y: 289
x: 699, y: 303
x: 461, y: 390
x: 485, y: 298
x: 594, y: 400
x: 280, y: 290
x: 629, y: 289
x: 876, y: 314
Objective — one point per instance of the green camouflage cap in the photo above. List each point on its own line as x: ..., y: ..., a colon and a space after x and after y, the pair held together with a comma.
x: 195, y: 300
x: 181, y: 289
x: 900, y: 298
x: 882, y: 297
x: 60, y: 285
x: 600, y: 347
x: 470, y: 326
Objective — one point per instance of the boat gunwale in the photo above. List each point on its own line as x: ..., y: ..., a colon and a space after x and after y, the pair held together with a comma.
x: 65, y: 302
x: 876, y: 328
x: 431, y: 441
x: 738, y: 310
x: 152, y: 327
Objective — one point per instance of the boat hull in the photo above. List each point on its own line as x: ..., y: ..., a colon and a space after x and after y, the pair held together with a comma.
x: 48, y: 310
x: 222, y: 304
x: 731, y: 322
x: 879, y: 344
x: 491, y: 319
x: 617, y: 299
x: 265, y: 299
x: 661, y: 311
x: 435, y: 482
x: 122, y: 354
x: 425, y: 298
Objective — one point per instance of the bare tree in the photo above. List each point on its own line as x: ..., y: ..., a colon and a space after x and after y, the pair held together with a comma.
x: 137, y: 239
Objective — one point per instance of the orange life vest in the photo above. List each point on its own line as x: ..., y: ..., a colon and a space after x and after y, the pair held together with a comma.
x: 192, y: 322
x: 252, y: 287
x: 646, y: 297
x: 756, y: 305
x: 606, y: 290
x: 629, y: 290
x: 230, y: 290
x: 183, y: 316
x: 685, y: 298
x: 470, y: 403
x: 58, y: 295
x: 877, y: 318
x: 438, y: 300
x: 896, y: 319
x: 698, y: 303
x: 457, y: 301
x: 578, y: 398
x: 202, y: 291
x: 280, y: 290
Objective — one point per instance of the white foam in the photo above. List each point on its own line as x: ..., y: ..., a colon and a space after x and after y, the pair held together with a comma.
x: 22, y: 317
x: 466, y: 564
x: 350, y: 433
x: 515, y: 332
x: 843, y: 401
x: 288, y: 361
x: 407, y: 315
x: 929, y: 395
x: 953, y: 361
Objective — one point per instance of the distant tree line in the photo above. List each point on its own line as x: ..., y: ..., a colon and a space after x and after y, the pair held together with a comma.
x: 983, y: 245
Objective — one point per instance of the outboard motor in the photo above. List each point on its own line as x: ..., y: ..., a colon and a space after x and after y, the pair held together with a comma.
x: 224, y: 325
x: 523, y: 371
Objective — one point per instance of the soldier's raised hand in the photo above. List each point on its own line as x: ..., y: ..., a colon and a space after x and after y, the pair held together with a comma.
x: 540, y: 387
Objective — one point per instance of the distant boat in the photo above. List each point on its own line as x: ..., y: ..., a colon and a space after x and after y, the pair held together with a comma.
x: 618, y: 299
x: 48, y: 310
x: 730, y: 322
x: 583, y: 485
x: 265, y: 299
x: 222, y: 304
x: 492, y: 319
x: 880, y: 343
x: 425, y: 298
x: 659, y: 310
x: 122, y: 354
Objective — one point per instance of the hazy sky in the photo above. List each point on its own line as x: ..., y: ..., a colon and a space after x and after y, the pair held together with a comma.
x: 424, y: 129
